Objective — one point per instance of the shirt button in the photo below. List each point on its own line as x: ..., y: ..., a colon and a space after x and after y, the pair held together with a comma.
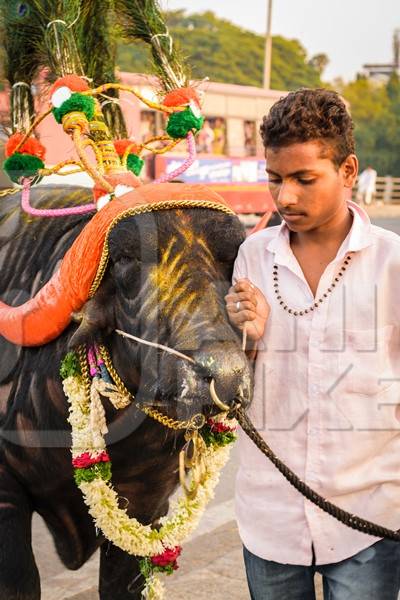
x: 314, y: 388
x: 314, y: 343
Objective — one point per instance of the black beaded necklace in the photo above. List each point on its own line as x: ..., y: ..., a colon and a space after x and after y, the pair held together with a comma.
x: 316, y: 304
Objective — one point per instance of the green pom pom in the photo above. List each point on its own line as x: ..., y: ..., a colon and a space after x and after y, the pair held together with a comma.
x: 22, y: 165
x: 180, y: 123
x: 70, y: 366
x: 97, y: 471
x: 77, y: 102
x: 135, y: 163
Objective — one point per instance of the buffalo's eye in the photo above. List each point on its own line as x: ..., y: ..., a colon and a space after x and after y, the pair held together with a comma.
x: 126, y: 267
x: 125, y: 272
x: 127, y: 260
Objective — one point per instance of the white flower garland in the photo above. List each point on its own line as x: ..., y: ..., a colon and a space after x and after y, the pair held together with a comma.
x: 128, y: 533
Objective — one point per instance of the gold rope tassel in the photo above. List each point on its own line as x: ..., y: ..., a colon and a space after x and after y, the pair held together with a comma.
x: 110, y: 391
x: 98, y: 422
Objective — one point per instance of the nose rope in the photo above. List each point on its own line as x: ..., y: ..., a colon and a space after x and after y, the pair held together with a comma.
x: 167, y: 348
x: 155, y: 345
x: 214, y: 396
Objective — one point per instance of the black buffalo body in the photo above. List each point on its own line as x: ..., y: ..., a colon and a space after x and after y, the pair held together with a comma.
x: 165, y: 282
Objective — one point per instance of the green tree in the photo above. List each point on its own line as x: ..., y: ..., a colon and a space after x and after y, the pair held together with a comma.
x: 375, y: 109
x: 225, y: 52
x: 319, y: 62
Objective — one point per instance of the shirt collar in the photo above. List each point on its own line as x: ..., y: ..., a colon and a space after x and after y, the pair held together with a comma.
x: 359, y: 237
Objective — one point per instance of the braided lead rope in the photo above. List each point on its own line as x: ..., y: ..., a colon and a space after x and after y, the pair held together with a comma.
x: 341, y: 515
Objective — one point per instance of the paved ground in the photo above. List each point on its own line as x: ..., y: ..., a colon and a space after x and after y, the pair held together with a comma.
x: 211, y: 565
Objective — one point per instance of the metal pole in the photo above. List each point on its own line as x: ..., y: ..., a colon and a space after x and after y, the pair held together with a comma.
x: 268, y: 48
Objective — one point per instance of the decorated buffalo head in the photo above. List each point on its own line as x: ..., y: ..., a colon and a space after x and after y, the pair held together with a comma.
x: 167, y: 273
x: 155, y: 264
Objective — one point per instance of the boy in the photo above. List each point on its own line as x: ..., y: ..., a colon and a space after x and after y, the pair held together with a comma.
x: 318, y: 295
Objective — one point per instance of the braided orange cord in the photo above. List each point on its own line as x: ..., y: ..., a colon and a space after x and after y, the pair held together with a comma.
x: 72, y: 172
x: 76, y: 124
x: 128, y: 88
x: 59, y: 166
x: 157, y: 138
x: 145, y: 146
x: 165, y: 149
x: 88, y: 143
x: 98, y: 178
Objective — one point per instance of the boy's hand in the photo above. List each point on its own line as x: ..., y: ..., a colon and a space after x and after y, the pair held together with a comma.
x: 245, y: 303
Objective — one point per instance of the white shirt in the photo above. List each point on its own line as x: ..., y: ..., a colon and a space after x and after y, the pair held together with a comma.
x: 326, y: 397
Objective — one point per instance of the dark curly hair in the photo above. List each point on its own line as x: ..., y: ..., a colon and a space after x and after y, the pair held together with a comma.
x: 308, y: 115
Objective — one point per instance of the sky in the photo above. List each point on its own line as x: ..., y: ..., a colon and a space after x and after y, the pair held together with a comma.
x: 350, y: 32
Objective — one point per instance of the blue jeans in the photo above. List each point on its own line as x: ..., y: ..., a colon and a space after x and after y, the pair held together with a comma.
x: 373, y: 574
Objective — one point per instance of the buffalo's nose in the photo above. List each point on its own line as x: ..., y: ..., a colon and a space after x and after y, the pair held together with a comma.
x: 227, y: 366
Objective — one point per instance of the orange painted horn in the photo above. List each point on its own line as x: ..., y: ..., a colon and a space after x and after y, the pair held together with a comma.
x: 45, y: 316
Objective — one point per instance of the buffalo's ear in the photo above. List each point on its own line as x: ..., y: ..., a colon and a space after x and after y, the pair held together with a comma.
x: 95, y: 318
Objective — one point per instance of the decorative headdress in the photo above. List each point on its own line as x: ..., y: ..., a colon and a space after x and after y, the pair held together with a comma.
x: 78, y: 106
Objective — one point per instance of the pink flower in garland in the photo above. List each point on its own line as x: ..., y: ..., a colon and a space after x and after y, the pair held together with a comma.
x: 87, y: 460
x: 167, y: 558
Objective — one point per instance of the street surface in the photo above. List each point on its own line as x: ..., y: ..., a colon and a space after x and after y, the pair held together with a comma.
x: 211, y: 563
x: 392, y: 224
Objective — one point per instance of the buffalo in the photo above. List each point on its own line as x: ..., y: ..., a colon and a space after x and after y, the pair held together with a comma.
x: 166, y: 275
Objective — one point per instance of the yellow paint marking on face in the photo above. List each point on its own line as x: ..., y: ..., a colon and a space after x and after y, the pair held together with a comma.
x: 193, y: 241
x: 182, y: 318
x: 187, y: 235
x: 168, y: 250
x: 171, y: 277
x: 167, y: 276
x: 209, y: 259
x: 170, y: 267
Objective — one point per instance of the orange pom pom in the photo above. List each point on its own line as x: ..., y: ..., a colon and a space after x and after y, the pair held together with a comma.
x: 121, y: 147
x: 73, y: 82
x: 31, y: 146
x: 181, y: 97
